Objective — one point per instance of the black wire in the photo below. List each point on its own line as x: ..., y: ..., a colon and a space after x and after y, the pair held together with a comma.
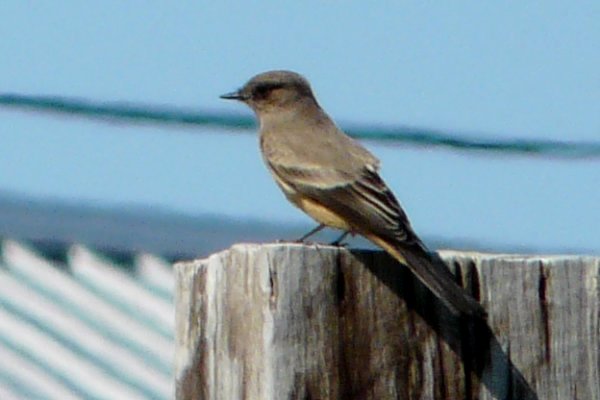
x: 416, y: 136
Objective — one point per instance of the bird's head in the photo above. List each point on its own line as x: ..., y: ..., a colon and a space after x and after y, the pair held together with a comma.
x: 273, y: 91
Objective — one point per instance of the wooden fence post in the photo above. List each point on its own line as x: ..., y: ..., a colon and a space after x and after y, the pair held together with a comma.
x: 291, y: 321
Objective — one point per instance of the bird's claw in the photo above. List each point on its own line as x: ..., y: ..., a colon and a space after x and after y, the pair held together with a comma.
x: 339, y: 243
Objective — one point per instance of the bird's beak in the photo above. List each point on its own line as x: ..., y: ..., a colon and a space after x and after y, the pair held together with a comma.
x: 237, y: 95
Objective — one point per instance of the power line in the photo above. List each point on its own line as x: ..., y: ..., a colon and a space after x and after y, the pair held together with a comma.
x: 116, y: 111
x: 122, y: 111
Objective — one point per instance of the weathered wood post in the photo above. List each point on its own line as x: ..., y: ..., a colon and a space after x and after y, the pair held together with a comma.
x: 287, y: 321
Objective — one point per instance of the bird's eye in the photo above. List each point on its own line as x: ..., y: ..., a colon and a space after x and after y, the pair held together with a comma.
x: 263, y: 91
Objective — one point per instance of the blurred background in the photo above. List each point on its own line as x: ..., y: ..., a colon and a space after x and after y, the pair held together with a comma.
x: 521, y: 78
x: 496, y: 72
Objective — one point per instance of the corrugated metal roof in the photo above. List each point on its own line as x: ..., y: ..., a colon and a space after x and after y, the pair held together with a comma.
x: 84, y: 327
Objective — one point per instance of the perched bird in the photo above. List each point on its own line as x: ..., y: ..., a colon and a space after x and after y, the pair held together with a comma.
x: 335, y: 180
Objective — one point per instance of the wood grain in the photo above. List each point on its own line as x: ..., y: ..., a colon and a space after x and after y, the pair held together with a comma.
x: 291, y: 321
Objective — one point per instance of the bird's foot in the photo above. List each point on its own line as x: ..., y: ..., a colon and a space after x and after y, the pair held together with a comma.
x: 339, y: 242
x: 295, y: 241
x: 309, y: 234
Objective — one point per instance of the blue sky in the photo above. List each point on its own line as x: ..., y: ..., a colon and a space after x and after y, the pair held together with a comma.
x: 503, y: 69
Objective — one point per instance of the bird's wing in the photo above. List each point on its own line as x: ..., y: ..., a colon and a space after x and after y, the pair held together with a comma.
x: 359, y: 196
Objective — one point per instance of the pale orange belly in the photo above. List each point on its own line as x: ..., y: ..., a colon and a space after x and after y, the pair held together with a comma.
x: 315, y: 210
x: 321, y: 214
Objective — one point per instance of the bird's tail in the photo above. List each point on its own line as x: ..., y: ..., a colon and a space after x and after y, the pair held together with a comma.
x: 436, y: 277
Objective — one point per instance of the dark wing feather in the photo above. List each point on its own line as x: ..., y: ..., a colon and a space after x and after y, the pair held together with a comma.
x: 368, y: 202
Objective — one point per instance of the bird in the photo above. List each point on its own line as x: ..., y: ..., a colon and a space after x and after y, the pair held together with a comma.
x: 336, y: 181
